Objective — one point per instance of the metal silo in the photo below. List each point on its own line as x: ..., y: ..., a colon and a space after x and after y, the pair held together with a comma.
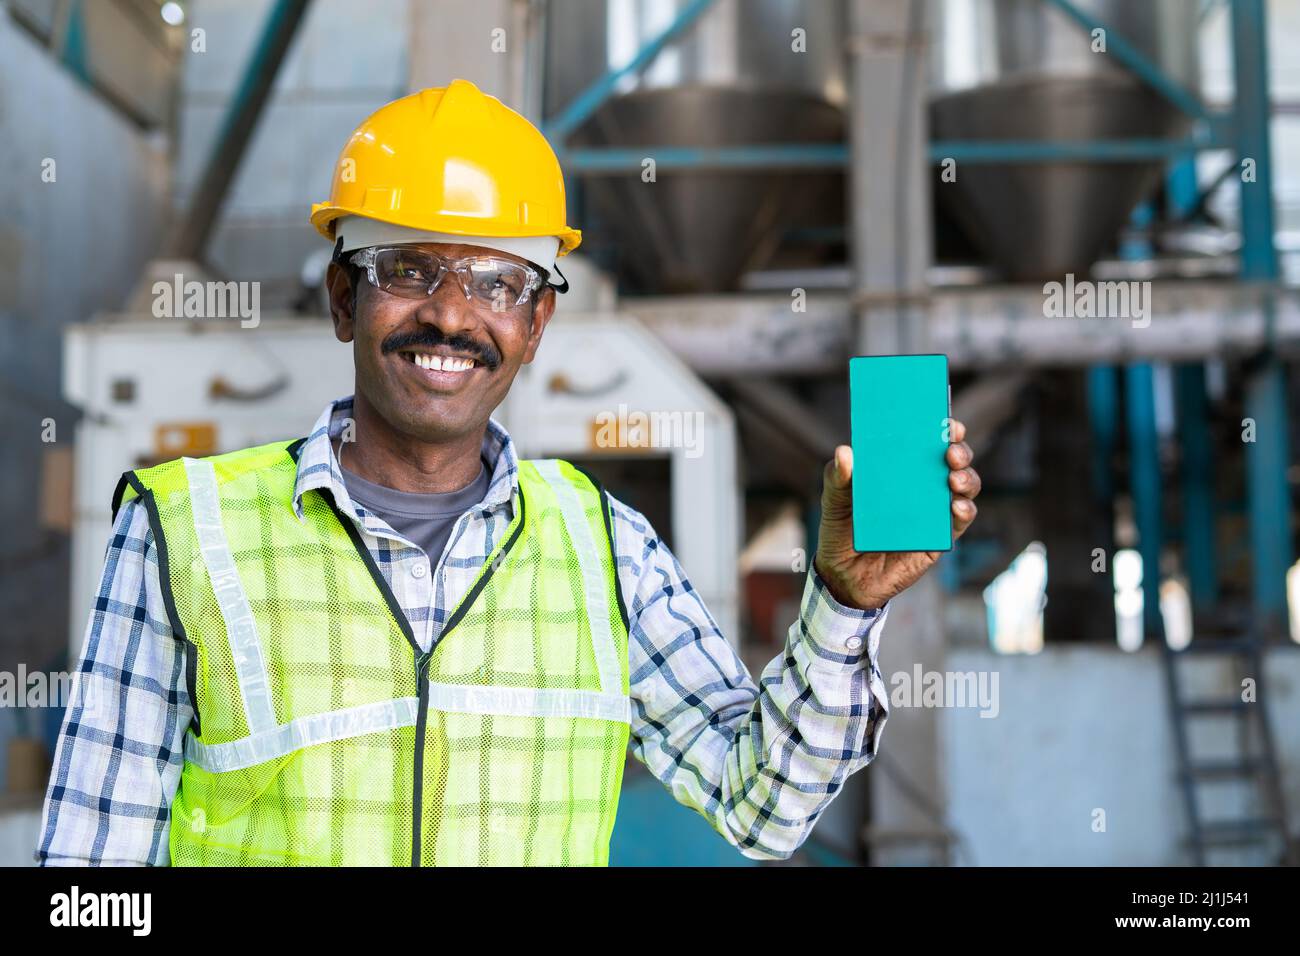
x: 1021, y: 70
x: 739, y: 76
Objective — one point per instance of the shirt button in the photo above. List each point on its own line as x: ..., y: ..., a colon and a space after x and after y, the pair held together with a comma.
x: 853, y: 643
x: 419, y: 570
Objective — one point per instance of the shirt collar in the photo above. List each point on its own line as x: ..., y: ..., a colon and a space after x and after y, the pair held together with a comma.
x: 318, y: 467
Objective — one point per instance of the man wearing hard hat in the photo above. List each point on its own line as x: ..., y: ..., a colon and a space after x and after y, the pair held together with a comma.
x: 394, y: 642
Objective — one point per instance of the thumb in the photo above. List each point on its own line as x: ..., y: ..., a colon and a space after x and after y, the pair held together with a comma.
x: 837, y: 485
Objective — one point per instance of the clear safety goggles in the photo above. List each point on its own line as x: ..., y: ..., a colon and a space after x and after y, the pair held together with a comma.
x: 493, y: 282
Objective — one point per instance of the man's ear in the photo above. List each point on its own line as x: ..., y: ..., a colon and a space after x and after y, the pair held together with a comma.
x: 341, y: 301
x: 543, y: 309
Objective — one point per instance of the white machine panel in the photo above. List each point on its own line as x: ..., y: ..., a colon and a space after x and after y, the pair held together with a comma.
x: 148, y: 387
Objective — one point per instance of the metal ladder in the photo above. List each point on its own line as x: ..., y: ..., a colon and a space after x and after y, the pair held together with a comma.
x: 1259, y: 768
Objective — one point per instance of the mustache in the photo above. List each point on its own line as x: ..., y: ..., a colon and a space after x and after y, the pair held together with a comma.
x: 429, y: 336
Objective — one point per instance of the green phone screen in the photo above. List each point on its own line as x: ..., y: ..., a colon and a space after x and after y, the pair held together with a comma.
x: 900, y: 411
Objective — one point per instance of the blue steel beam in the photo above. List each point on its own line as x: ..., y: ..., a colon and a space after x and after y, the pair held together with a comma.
x: 586, y: 103
x: 1268, y: 494
x: 1136, y: 62
x: 774, y: 156
x: 1250, y: 70
x: 605, y: 160
x: 1104, y: 151
x: 1268, y: 456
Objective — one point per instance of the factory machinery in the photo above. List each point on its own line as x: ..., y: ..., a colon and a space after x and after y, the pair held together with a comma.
x: 961, y: 154
x: 833, y: 177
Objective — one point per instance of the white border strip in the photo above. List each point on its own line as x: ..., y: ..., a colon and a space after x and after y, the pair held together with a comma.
x: 594, y: 581
x: 241, y: 628
x: 529, y: 702
x: 300, y: 733
x: 402, y: 712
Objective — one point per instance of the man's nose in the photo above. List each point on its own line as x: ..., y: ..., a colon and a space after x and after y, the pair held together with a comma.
x: 448, y: 309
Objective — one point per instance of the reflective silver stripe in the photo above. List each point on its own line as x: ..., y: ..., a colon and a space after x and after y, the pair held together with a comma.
x: 402, y: 712
x: 529, y: 702
x: 241, y: 627
x: 303, y: 732
x: 595, y: 583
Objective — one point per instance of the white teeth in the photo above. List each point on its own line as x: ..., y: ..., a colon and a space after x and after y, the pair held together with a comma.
x: 443, y: 363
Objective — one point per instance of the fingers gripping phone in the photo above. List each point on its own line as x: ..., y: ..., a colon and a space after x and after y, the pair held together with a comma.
x: 901, y: 413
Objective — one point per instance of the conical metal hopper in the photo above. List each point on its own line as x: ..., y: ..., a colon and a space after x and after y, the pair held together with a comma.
x: 1040, y: 220
x: 697, y: 230
x: 1022, y: 70
x: 737, y: 77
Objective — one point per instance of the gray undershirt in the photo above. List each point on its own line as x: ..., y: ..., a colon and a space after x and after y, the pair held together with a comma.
x: 425, y: 519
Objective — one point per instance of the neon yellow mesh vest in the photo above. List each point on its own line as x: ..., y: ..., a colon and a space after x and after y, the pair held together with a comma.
x: 324, y: 736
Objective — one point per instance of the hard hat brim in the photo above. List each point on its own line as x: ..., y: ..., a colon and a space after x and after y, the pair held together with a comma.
x: 325, y: 215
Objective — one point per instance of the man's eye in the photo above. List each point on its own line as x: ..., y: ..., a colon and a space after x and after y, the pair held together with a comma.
x: 409, y: 270
x: 497, y: 282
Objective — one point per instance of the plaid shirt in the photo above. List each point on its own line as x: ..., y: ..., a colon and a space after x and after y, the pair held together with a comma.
x: 759, y: 762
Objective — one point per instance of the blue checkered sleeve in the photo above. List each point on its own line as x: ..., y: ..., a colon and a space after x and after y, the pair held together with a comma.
x: 118, y: 759
x: 759, y: 761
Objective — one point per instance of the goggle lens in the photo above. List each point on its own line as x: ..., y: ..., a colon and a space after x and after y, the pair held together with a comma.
x: 494, y: 283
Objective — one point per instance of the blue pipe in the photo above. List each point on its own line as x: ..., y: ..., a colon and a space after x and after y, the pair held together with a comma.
x: 1268, y: 456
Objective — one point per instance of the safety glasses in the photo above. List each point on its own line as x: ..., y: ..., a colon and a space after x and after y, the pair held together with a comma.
x: 492, y: 282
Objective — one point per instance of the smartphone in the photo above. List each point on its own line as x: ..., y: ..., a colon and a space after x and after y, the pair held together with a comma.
x: 901, y: 413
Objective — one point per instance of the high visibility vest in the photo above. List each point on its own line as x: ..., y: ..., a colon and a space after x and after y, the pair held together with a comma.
x: 323, y: 735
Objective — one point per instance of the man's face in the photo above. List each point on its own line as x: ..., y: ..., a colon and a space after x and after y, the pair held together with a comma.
x: 391, y: 335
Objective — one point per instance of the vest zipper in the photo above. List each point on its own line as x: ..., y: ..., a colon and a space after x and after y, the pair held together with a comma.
x: 421, y: 725
x: 422, y: 658
x: 422, y: 666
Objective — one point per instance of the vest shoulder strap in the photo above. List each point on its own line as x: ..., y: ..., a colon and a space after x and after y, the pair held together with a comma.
x: 541, y: 477
x: 168, y: 478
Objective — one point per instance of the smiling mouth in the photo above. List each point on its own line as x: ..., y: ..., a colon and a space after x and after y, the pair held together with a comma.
x: 455, y: 364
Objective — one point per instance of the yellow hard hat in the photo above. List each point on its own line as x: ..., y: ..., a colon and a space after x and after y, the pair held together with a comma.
x: 452, y: 160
